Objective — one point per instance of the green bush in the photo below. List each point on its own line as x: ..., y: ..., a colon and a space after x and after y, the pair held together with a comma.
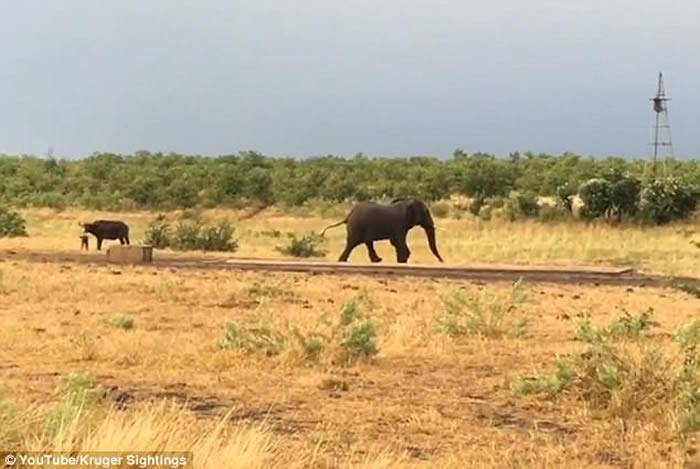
x: 526, y: 205
x: 192, y: 234
x: 11, y: 224
x: 667, y: 199
x: 440, y: 209
x: 548, y: 213
x: 483, y: 315
x: 596, y: 195
x: 475, y: 205
x: 358, y: 335
x: 306, y: 246
x: 611, y: 378
x: 77, y: 392
x: 252, y: 340
x: 158, y: 181
x: 122, y: 321
x: 565, y: 194
x: 624, y: 195
x: 158, y: 233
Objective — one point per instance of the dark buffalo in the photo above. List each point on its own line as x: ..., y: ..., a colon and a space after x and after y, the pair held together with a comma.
x: 107, y: 229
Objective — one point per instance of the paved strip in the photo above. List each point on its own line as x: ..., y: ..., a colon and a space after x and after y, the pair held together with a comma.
x: 484, y: 272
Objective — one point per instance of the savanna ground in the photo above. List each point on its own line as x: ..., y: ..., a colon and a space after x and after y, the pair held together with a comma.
x: 280, y: 370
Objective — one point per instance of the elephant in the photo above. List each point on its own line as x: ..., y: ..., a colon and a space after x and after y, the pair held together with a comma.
x: 107, y: 229
x: 369, y: 221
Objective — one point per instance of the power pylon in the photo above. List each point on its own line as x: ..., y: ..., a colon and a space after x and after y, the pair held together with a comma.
x: 662, y: 126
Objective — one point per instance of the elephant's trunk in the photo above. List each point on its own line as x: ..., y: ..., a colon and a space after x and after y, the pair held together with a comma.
x: 430, y: 233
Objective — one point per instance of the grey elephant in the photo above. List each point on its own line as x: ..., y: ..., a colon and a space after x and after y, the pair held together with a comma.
x: 368, y: 222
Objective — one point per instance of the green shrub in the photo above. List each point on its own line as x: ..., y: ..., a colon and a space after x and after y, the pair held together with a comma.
x: 475, y: 205
x: 632, y: 326
x: 253, y: 340
x: 565, y: 194
x: 440, y: 209
x: 688, y: 336
x: 358, y: 336
x: 559, y: 379
x: 194, y: 235
x: 312, y: 345
x: 596, y: 195
x: 556, y: 213
x: 11, y: 224
x: 361, y: 340
x: 667, y: 199
x: 526, y: 205
x: 625, y: 326
x: 306, y: 246
x: 482, y: 315
x: 626, y: 384
x: 77, y: 392
x: 159, y: 233
x: 191, y: 234
x: 218, y: 237
x: 624, y: 195
x: 122, y: 321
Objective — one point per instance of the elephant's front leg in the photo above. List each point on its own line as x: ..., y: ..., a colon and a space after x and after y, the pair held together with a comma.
x: 372, y: 253
x: 402, y: 251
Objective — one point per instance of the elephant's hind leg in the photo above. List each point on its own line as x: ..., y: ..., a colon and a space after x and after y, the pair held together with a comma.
x: 372, y: 253
x: 346, y: 252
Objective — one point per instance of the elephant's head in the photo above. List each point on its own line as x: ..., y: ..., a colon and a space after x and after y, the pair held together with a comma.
x: 417, y: 214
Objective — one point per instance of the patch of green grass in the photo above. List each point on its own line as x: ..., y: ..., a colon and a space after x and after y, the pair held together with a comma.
x: 12, y: 423
x: 271, y: 291
x: 632, y: 326
x: 361, y: 340
x: 77, y: 392
x: 121, y: 321
x: 688, y: 335
x: 481, y: 315
x: 357, y: 335
x: 312, y: 345
x: 261, y: 340
x: 625, y: 326
x: 561, y: 377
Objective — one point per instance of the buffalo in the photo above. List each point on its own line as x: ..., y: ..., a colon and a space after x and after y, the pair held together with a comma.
x: 107, y: 229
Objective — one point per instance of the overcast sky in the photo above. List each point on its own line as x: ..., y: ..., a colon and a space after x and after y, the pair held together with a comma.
x: 310, y: 77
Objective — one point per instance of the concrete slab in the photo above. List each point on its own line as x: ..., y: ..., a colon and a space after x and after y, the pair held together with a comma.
x: 123, y: 254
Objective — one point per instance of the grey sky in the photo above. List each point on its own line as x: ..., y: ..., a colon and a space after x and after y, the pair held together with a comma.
x: 308, y: 77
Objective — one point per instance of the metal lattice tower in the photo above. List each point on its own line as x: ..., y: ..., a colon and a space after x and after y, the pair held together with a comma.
x: 662, y: 126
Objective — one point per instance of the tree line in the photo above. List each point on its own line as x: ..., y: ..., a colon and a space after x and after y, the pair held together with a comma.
x: 146, y: 180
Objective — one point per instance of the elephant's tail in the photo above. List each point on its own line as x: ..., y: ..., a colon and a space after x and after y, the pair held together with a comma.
x: 342, y: 222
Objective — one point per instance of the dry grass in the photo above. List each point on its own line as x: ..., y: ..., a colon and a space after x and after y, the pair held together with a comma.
x: 660, y: 250
x: 426, y: 399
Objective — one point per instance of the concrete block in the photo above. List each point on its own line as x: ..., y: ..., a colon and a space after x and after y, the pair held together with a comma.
x: 124, y: 254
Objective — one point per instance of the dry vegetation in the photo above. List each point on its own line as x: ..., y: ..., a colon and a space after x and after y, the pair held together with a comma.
x: 668, y: 249
x: 291, y: 370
